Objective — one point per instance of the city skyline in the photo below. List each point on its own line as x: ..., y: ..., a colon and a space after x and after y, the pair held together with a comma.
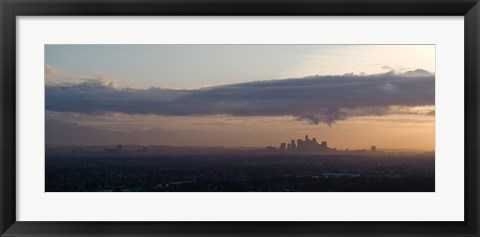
x: 297, y: 144
x: 205, y: 96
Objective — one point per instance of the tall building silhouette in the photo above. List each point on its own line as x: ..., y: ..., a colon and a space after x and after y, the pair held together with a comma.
x: 299, y: 143
x: 305, y: 146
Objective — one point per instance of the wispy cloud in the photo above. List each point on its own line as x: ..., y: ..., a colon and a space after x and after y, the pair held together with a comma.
x: 318, y: 99
x: 51, y: 71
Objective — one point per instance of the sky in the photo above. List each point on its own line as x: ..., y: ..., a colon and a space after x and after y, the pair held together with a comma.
x: 353, y: 96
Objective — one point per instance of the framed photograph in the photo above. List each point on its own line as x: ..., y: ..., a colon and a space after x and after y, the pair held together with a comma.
x: 239, y: 118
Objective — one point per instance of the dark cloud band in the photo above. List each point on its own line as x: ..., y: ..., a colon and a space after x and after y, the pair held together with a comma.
x: 315, y: 99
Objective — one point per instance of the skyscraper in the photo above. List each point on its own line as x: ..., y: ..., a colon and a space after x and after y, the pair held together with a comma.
x: 299, y: 143
x: 306, y: 146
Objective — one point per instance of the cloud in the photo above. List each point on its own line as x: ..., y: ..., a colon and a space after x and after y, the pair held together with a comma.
x: 387, y: 68
x: 51, y: 71
x: 55, y: 77
x: 417, y: 73
x: 98, y: 78
x: 316, y: 99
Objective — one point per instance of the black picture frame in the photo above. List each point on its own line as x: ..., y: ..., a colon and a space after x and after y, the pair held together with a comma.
x: 10, y: 9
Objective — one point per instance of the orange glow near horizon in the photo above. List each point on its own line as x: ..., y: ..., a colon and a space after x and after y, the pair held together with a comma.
x: 396, y: 131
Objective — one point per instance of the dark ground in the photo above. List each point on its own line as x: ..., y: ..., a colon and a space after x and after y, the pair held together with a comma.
x: 241, y: 173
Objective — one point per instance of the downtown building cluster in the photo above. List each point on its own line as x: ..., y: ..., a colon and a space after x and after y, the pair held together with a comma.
x: 308, y: 145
